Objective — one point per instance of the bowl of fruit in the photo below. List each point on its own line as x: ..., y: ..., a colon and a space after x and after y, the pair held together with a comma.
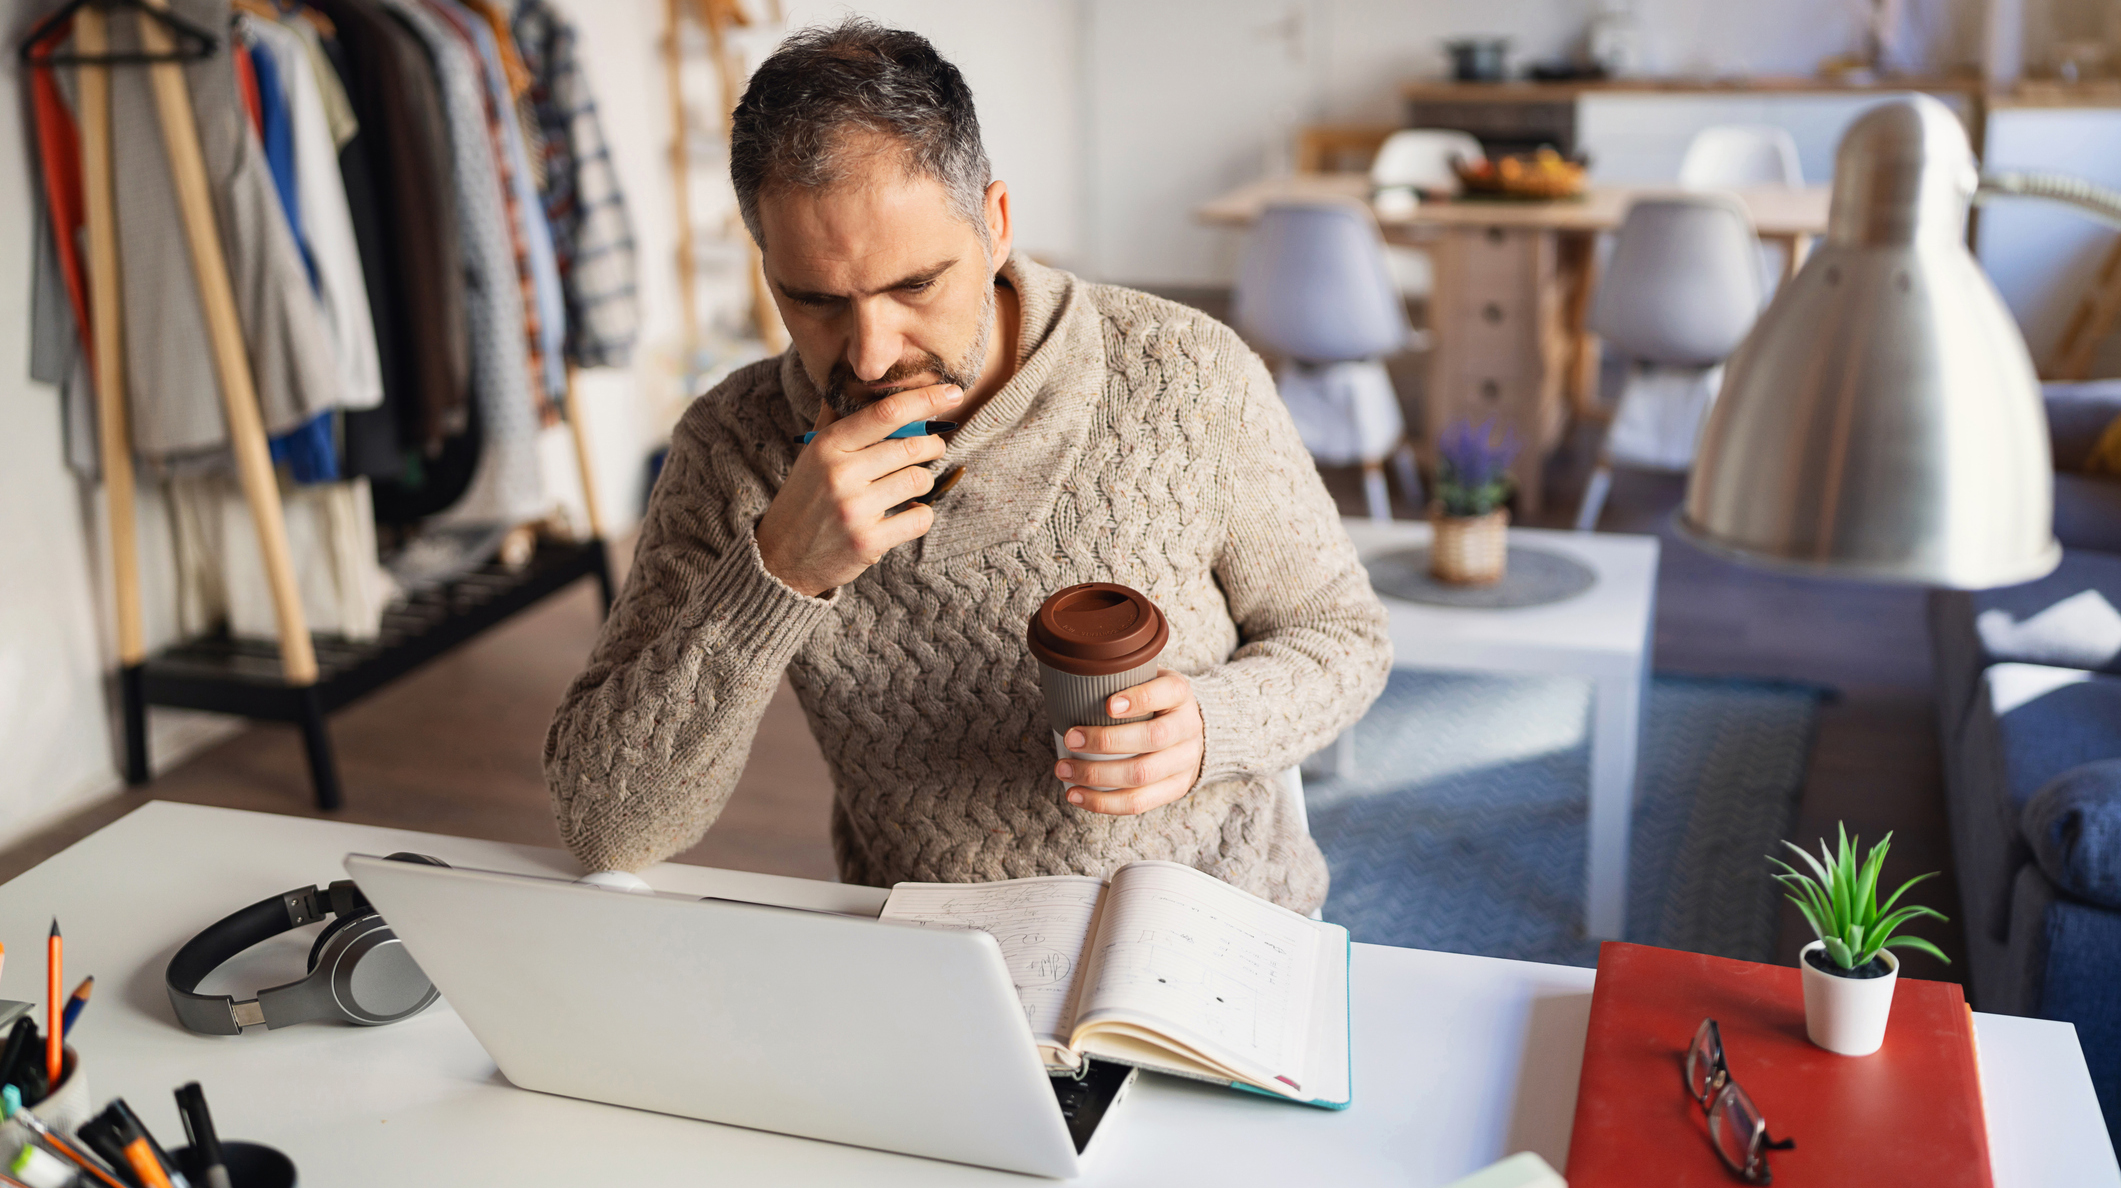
x: 1543, y: 176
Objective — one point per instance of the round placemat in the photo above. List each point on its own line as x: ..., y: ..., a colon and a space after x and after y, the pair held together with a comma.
x: 1534, y: 577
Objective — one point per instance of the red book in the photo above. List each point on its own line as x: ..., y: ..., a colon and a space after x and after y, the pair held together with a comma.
x: 1909, y: 1113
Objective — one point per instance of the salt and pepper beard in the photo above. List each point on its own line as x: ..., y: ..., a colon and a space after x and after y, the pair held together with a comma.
x: 965, y: 373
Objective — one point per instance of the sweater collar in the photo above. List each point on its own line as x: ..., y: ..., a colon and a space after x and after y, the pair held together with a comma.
x: 1019, y: 446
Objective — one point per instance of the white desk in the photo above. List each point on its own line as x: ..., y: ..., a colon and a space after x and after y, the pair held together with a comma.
x: 1458, y: 1061
x: 1602, y: 635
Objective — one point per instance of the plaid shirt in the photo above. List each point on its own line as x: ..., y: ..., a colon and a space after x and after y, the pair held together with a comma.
x: 590, y: 230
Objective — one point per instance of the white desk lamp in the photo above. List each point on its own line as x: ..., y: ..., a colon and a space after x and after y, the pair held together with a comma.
x: 1883, y: 420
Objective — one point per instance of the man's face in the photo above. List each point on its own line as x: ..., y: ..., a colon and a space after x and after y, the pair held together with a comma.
x: 882, y: 285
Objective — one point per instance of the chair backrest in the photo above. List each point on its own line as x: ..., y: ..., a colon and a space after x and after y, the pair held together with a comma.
x: 1683, y: 286
x: 1313, y: 284
x: 1738, y: 156
x: 1421, y: 157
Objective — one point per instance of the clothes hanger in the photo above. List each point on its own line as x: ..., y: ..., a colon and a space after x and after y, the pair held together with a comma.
x: 193, y: 42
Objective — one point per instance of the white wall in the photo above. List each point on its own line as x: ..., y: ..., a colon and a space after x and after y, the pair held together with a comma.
x: 1184, y: 107
x: 58, y: 750
x: 2042, y: 257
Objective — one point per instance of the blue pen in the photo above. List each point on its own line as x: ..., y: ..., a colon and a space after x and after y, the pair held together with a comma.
x: 916, y: 429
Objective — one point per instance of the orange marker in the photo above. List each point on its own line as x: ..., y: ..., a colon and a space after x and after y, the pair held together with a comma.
x: 145, y: 1165
x: 55, y: 1025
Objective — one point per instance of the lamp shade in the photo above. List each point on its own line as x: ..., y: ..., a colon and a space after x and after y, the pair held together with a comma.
x: 1882, y: 420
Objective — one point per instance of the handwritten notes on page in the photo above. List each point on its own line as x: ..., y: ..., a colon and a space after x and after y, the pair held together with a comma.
x: 1206, y: 962
x: 1043, y: 925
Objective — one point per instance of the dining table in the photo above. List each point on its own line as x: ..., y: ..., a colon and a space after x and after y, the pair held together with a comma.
x: 1509, y: 306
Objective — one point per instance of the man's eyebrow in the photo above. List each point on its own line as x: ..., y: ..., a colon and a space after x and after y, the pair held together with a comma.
x: 921, y: 277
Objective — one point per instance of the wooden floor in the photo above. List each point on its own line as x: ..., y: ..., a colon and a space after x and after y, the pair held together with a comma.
x: 455, y: 748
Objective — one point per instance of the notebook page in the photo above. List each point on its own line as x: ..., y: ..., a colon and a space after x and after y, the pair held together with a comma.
x: 1208, y: 965
x: 1042, y: 924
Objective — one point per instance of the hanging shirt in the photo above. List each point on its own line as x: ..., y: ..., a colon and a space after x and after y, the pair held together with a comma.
x: 276, y: 132
x: 172, y: 380
x: 508, y: 485
x: 548, y: 325
x: 323, y: 222
x: 591, y: 233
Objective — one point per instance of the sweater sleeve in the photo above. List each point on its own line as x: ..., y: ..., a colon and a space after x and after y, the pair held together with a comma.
x: 1313, y: 647
x: 649, y: 741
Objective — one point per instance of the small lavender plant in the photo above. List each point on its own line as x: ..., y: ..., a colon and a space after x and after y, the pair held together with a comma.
x: 1473, y: 468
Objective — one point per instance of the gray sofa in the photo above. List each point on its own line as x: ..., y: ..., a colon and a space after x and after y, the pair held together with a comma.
x: 2029, y: 697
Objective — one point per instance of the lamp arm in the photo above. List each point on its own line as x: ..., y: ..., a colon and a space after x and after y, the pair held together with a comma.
x: 2097, y: 200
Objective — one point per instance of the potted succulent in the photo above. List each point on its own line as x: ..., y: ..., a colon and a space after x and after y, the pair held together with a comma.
x: 1471, y: 542
x: 1848, y: 974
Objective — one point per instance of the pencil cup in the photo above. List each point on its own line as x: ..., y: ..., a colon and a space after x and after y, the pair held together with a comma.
x: 1092, y: 641
x: 62, y: 1109
x: 250, y: 1165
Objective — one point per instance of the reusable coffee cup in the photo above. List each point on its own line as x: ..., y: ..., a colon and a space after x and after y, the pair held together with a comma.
x: 1092, y: 641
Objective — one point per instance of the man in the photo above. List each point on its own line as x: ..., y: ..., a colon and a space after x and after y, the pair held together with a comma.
x: 1104, y: 435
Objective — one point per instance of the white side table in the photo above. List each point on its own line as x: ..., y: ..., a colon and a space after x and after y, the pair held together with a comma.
x: 1602, y: 634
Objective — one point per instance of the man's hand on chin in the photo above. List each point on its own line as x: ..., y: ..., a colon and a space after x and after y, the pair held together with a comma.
x: 1165, y: 751
x: 832, y: 518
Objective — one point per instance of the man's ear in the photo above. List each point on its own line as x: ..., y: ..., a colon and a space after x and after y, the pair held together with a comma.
x: 1000, y: 228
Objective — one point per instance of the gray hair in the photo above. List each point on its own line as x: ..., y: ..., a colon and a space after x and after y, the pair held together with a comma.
x: 825, y: 86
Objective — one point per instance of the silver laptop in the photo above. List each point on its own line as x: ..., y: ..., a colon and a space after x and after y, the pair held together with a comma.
x: 802, y: 1022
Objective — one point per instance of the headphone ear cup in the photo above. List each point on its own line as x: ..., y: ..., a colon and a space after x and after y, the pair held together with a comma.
x: 316, y: 951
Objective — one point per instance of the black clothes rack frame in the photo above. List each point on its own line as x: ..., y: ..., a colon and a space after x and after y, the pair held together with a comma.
x: 303, y: 678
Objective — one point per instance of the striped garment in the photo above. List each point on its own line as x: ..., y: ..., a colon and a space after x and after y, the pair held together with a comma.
x: 591, y: 232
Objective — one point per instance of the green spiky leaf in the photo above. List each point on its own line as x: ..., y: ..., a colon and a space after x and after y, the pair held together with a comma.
x: 1839, y: 951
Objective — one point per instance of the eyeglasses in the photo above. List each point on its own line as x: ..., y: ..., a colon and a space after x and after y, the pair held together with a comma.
x: 1736, y: 1129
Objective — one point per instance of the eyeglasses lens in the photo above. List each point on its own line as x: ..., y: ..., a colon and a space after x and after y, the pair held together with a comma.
x: 1704, y: 1061
x: 1735, y: 1126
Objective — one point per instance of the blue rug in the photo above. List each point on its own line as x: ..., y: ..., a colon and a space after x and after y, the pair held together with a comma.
x: 1462, y: 827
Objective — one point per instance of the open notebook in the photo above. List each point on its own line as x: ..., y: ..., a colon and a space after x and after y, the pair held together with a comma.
x: 1164, y: 968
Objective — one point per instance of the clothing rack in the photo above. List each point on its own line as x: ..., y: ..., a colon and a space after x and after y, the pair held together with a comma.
x: 302, y: 679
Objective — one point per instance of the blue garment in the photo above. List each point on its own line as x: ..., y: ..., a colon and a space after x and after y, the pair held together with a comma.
x: 277, y: 120
x: 310, y: 452
x: 530, y: 212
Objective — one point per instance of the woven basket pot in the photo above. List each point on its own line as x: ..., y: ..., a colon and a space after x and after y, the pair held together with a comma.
x: 1469, y: 550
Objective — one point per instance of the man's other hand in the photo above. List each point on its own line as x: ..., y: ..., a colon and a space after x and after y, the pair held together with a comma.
x: 830, y: 520
x: 1167, y: 750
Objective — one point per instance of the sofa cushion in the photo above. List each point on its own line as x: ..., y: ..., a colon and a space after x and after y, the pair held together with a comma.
x: 2049, y: 721
x: 2088, y: 511
x: 2077, y: 415
x: 2074, y: 826
x: 2070, y: 619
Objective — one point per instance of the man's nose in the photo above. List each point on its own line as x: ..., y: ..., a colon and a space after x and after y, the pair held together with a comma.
x: 878, y: 341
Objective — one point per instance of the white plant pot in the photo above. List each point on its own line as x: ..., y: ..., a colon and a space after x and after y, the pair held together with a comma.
x: 1846, y: 1015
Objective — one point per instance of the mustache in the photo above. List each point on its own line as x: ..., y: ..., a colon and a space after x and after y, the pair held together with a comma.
x: 842, y: 380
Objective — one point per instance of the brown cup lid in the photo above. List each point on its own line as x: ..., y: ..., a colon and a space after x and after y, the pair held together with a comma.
x: 1098, y: 628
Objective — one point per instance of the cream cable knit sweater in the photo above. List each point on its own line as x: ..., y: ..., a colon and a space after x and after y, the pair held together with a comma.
x: 1139, y: 442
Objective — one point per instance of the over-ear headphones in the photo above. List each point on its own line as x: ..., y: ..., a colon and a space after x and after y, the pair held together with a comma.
x: 359, y: 971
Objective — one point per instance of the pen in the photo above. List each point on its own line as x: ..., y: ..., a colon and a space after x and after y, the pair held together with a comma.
x: 77, y: 1004
x: 199, y: 1129
x: 54, y: 1029
x: 916, y: 429
x: 69, y: 1152
x: 942, y: 486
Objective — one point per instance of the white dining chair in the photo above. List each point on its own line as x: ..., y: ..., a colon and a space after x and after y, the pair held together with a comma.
x: 1415, y: 160
x: 1740, y: 157
x: 1681, y: 292
x: 1313, y: 288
